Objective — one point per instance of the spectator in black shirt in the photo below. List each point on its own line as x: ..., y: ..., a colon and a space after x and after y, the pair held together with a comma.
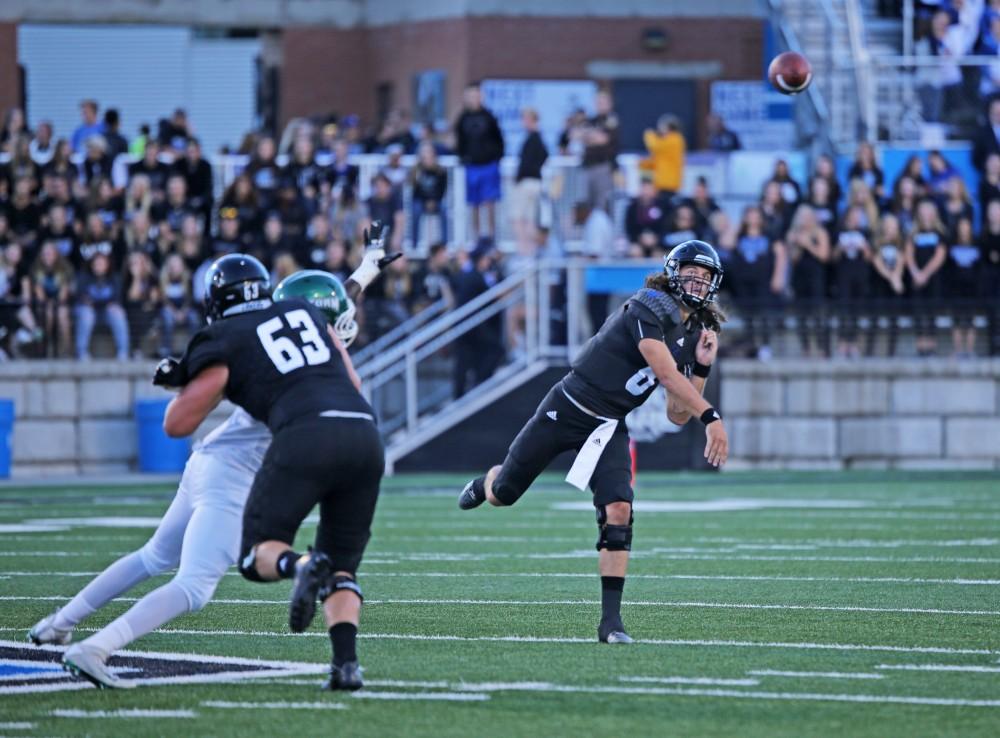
x: 600, y: 151
x: 190, y: 244
x: 24, y: 217
x: 52, y: 287
x: 528, y: 188
x: 99, y: 297
x: 481, y: 349
x: 176, y: 205
x: 140, y: 298
x: 956, y: 206
x: 645, y: 222
x: 151, y: 166
x: 264, y: 172
x: 963, y: 280
x: 140, y: 237
x: 197, y: 175
x: 60, y: 164
x: 58, y: 230
x: 335, y: 261
x: 865, y: 169
x: 311, y: 250
x: 827, y: 170
x: 228, y: 241
x: 107, y: 204
x: 989, y: 185
x: 386, y: 205
x: 429, y: 183
x: 776, y: 210
x: 174, y: 133
x: 138, y: 196
x: 987, y: 139
x: 479, y: 144
x: 721, y: 138
x: 790, y: 191
x: 117, y: 143
x: 97, y: 241
x: 42, y: 146
x: 432, y: 281
x: 302, y: 170
x: 684, y: 227
x: 21, y: 165
x: 178, y: 303
x: 97, y: 163
x: 242, y: 197
x: 703, y: 204
x: 272, y: 243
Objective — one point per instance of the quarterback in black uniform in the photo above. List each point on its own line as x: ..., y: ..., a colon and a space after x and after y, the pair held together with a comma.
x: 665, y: 333
x: 283, y: 364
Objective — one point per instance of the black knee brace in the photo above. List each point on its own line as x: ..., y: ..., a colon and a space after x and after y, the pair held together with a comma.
x: 613, y: 537
x: 507, y: 487
x: 340, y: 582
x: 248, y: 566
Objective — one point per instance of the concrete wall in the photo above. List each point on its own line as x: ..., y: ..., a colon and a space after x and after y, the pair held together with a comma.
x: 78, y: 417
x: 863, y: 415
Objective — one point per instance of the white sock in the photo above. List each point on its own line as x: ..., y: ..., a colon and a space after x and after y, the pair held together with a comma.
x: 158, y: 607
x: 122, y: 575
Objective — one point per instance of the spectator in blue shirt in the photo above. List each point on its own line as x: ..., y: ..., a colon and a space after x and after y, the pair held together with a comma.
x: 89, y: 127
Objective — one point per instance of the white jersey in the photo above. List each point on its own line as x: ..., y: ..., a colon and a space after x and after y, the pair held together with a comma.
x: 239, y: 440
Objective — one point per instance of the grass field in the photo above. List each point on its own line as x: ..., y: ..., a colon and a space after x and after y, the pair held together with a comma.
x: 795, y: 604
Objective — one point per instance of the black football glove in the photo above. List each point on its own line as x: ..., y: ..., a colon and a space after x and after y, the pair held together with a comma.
x: 375, y: 241
x: 168, y: 374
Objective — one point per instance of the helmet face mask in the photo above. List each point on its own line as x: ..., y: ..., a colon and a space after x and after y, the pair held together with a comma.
x: 327, y: 293
x: 680, y: 280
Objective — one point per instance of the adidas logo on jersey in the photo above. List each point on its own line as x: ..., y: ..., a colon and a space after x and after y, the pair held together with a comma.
x: 551, y: 415
x: 680, y: 341
x: 597, y: 441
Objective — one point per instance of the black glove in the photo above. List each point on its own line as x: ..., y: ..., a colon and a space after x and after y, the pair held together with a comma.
x: 375, y: 239
x: 168, y: 374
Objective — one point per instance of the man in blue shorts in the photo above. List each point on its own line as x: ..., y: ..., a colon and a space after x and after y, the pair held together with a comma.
x: 480, y: 147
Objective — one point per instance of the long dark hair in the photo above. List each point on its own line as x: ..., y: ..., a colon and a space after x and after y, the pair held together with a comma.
x: 711, y: 316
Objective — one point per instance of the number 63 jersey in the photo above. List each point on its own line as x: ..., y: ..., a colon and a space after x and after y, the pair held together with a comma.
x: 282, y: 364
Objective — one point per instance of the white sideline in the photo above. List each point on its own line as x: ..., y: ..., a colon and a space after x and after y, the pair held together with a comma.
x: 817, y: 674
x: 941, y: 667
x: 548, y: 603
x: 704, y: 681
x: 364, y: 694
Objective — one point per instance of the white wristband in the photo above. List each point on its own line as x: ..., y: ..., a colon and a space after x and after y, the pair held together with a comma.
x: 365, y: 274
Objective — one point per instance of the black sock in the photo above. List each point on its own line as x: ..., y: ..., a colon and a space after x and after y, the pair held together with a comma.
x: 286, y: 564
x: 611, y: 599
x: 343, y: 637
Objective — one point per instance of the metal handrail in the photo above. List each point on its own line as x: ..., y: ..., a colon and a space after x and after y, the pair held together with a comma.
x: 862, y: 67
x: 385, y: 341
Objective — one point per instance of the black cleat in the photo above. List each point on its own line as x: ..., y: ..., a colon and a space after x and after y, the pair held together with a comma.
x: 311, y: 573
x: 613, y: 633
x: 473, y: 495
x: 347, y: 676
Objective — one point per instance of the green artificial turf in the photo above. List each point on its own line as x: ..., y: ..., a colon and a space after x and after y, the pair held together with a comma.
x: 483, y: 623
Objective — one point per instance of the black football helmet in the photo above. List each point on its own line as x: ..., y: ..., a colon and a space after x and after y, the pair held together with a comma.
x: 236, y: 283
x: 700, y: 254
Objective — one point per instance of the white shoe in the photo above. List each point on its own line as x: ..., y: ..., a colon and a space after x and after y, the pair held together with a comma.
x: 44, y: 632
x: 86, y: 662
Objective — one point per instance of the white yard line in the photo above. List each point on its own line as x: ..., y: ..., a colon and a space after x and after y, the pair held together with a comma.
x: 941, y: 667
x: 702, y: 681
x: 365, y: 694
x: 578, y: 602
x: 220, y: 704
x: 131, y: 713
x: 815, y: 674
x: 529, y: 639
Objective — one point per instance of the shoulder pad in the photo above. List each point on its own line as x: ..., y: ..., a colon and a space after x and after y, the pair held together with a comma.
x: 662, y: 305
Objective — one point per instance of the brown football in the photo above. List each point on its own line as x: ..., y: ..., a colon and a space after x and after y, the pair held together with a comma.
x: 790, y: 73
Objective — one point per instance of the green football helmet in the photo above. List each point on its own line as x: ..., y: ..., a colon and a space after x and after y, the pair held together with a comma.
x: 327, y: 293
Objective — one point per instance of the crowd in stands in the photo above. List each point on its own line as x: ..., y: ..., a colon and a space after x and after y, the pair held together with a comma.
x: 867, y: 251
x: 82, y: 246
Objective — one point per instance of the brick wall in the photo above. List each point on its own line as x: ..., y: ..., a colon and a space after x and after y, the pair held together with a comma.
x: 326, y: 68
x: 10, y: 84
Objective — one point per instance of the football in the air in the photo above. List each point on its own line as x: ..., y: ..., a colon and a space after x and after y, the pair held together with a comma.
x: 790, y: 73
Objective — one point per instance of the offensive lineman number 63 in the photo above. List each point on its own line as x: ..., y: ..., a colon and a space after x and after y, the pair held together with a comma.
x: 287, y: 357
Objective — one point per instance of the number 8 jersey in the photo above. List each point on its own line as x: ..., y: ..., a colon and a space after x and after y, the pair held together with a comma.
x: 282, y: 364
x: 610, y: 376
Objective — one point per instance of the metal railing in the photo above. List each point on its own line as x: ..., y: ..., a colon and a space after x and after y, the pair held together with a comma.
x: 534, y: 319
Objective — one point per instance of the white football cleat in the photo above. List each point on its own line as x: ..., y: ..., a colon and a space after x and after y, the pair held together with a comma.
x: 44, y: 632
x: 86, y: 662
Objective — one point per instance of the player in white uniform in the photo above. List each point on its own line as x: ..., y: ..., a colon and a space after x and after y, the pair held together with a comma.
x: 199, y: 534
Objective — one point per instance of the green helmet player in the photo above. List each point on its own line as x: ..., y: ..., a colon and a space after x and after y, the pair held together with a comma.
x: 327, y: 293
